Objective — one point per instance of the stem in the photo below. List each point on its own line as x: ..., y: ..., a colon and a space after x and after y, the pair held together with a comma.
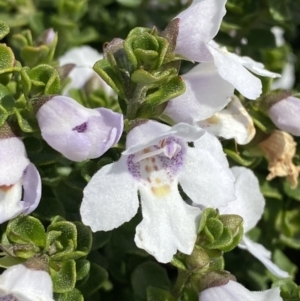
x: 182, y: 279
x: 137, y: 98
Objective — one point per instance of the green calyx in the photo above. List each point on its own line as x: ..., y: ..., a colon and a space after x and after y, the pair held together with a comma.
x: 143, y: 70
x: 219, y: 232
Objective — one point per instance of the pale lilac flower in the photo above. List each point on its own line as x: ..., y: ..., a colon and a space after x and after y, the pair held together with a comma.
x: 18, y: 283
x: 198, y: 25
x: 20, y: 183
x: 286, y: 115
x: 233, y: 291
x: 156, y: 160
x: 84, y: 57
x: 77, y: 132
x: 249, y: 204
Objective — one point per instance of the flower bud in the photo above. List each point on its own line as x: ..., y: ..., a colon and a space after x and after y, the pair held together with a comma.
x: 198, y: 259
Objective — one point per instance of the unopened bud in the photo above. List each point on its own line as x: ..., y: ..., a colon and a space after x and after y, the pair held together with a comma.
x: 198, y: 259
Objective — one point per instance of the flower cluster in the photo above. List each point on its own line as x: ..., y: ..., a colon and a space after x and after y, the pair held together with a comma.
x: 151, y: 149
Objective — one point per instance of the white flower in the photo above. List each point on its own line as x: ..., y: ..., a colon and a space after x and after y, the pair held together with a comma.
x: 20, y: 183
x: 198, y: 25
x: 84, y: 57
x: 233, y: 291
x: 156, y: 160
x: 19, y: 283
x: 249, y: 204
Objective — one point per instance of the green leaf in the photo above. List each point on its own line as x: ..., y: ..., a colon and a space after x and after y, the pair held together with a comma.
x: 26, y: 121
x: 84, y: 238
x: 26, y: 229
x: 284, y: 263
x: 100, y: 238
x: 4, y: 29
x: 149, y: 274
x: 289, y: 290
x: 106, y: 72
x: 130, y: 3
x: 3, y: 115
x: 245, y: 161
x: 93, y: 281
x: 82, y: 268
x: 45, y: 77
x: 33, y: 56
x: 157, y: 294
x: 66, y: 243
x: 144, y: 77
x: 74, y: 295
x: 47, y: 156
x: 279, y: 10
x: 6, y: 99
x: 8, y: 261
x: 7, y: 62
x: 64, y: 278
x: 215, y: 227
x: 206, y: 214
x: 292, y: 193
x: 175, y: 87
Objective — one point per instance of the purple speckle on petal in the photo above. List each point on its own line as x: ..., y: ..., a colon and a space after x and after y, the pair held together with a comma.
x: 133, y: 168
x: 80, y: 128
x: 9, y: 297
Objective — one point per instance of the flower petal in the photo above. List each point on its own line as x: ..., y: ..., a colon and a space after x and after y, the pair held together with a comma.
x: 285, y: 115
x: 84, y: 57
x: 150, y: 132
x: 26, y: 284
x: 205, y: 180
x: 112, y: 123
x: 233, y: 291
x: 106, y: 206
x: 263, y: 255
x: 10, y: 205
x: 249, y: 203
x: 231, y: 69
x: 255, y: 67
x: 199, y: 24
x: 213, y: 146
x: 201, y: 98
x: 232, y: 122
x: 13, y: 160
x: 32, y: 189
x: 168, y: 224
